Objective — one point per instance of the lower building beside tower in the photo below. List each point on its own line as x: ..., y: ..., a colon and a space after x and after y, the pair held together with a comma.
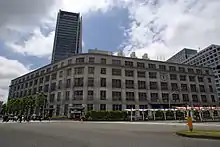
x: 93, y: 81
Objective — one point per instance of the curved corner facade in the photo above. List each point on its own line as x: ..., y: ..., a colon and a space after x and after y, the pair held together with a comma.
x: 105, y: 82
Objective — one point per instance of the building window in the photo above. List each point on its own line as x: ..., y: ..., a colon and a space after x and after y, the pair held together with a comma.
x: 40, y: 89
x: 172, y: 68
x: 198, y: 71
x: 91, y: 70
x: 54, y: 76
x: 207, y: 72
x: 129, y: 84
x: 129, y: 73
x: 176, y: 97
x: 60, y: 84
x: 103, y: 82
x: 89, y: 107
x: 190, y: 70
x: 103, y: 61
x: 116, y: 62
x: 200, y: 79
x: 62, y: 64
x: 141, y: 74
x: 182, y: 77
x: 48, y: 69
x: 152, y: 75
x: 102, y: 107
x: 60, y: 74
x: 90, y: 82
x: 80, y: 60
x: 162, y: 67
x: 90, y: 95
x: 69, y: 71
x: 55, y: 67
x: 78, y: 82
x: 154, y: 97
x: 67, y: 95
x: 195, y: 98
x: 130, y: 96
x: 204, y: 98
x: 210, y: 88
x: 68, y: 83
x: 46, y: 88
x: 116, y: 83
x: 47, y: 79
x: 153, y: 86
x: 164, y: 85
x: 213, y: 98
x: 193, y: 88
x: 79, y: 70
x: 209, y: 80
x: 184, y: 87
x: 185, y: 97
x: 141, y: 85
x: 78, y: 95
x: 116, y: 72
x: 182, y: 69
x: 142, y: 96
x: 129, y: 64
x: 143, y: 107
x: 52, y: 86
x: 102, y: 95
x: 165, y: 97
x: 91, y: 60
x: 116, y: 107
x: 202, y: 88
x: 173, y: 77
x: 192, y: 78
x: 174, y: 86
x: 52, y: 97
x: 35, y: 83
x: 130, y: 106
x: 41, y: 81
x: 103, y: 71
x: 116, y: 96
x: 151, y: 66
x: 140, y: 65
x: 58, y: 96
x: 69, y: 61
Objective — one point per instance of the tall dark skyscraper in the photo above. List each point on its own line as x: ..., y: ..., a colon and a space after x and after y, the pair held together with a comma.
x: 68, y: 36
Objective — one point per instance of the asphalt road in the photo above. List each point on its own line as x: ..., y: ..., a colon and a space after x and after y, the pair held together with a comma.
x: 82, y: 134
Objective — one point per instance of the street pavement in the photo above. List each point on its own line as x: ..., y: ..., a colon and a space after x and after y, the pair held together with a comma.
x: 100, y: 134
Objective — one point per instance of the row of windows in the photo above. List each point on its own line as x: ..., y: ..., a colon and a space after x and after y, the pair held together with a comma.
x: 116, y: 63
x: 130, y: 96
x: 117, y: 83
x: 115, y: 72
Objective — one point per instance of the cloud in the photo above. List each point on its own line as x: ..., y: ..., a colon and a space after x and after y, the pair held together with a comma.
x: 37, y: 45
x: 10, y: 69
x: 161, y: 28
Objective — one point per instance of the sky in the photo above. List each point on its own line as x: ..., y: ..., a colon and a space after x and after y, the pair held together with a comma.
x: 159, y: 28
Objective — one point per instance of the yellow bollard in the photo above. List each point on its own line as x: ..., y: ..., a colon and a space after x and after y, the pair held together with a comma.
x: 189, y: 123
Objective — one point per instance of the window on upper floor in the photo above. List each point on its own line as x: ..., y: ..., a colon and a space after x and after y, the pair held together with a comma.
x: 103, y: 61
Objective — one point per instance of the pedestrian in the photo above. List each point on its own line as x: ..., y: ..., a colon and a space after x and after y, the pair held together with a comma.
x: 20, y: 118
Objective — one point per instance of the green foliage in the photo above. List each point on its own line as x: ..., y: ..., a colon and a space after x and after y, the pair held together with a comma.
x: 106, y: 115
x: 25, y: 105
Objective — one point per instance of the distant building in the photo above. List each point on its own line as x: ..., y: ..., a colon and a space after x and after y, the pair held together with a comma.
x: 99, y: 81
x: 182, y: 55
x: 68, y: 36
x: 208, y: 57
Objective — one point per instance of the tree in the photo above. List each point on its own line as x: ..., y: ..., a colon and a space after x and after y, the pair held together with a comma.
x: 3, y: 109
x: 41, y: 101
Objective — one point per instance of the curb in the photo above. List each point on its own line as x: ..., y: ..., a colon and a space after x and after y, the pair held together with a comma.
x: 198, y: 136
